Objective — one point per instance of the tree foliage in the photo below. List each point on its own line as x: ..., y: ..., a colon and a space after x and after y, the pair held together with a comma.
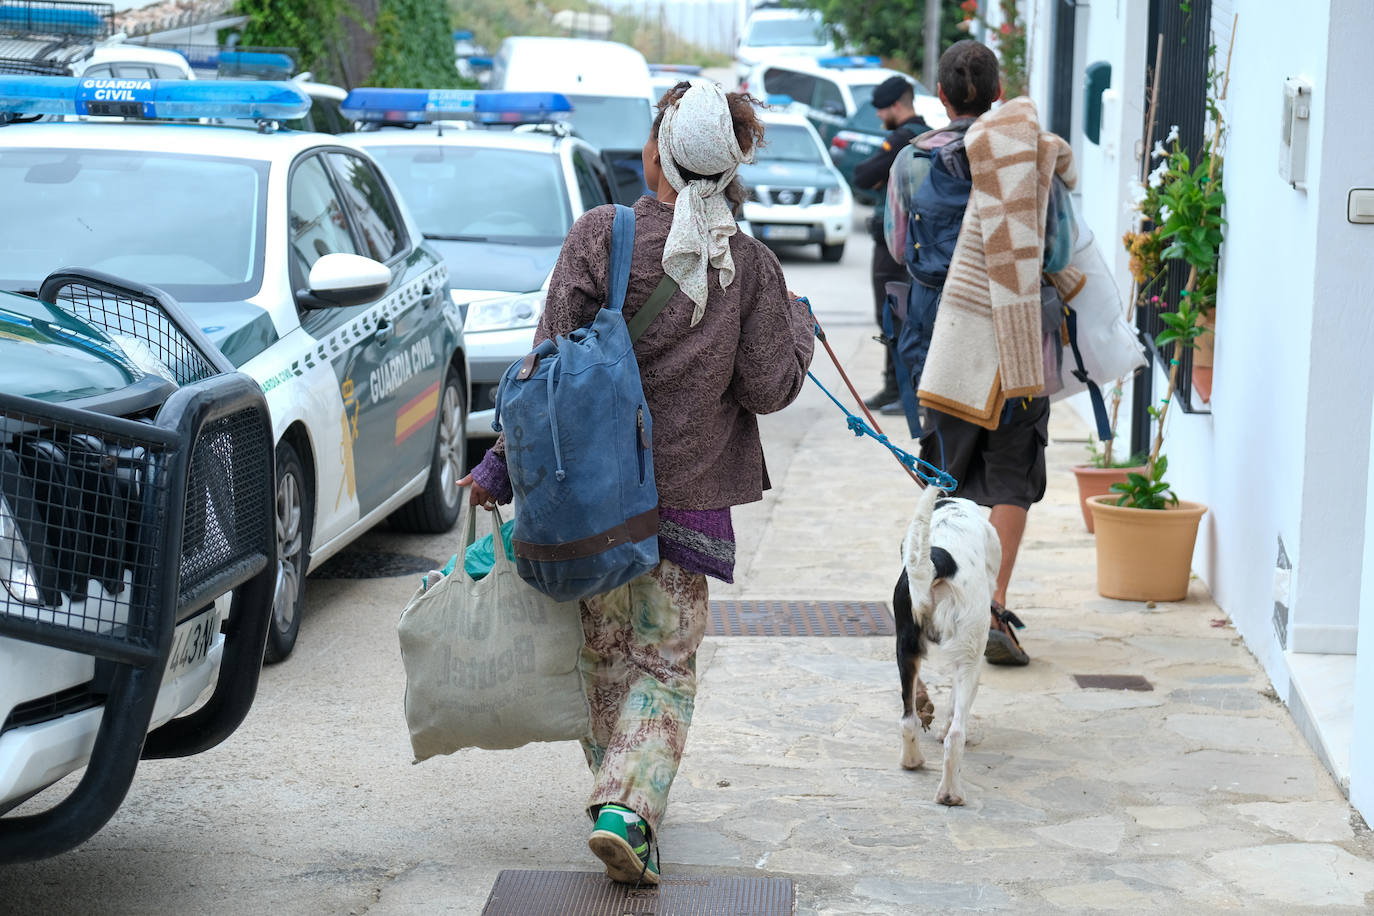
x: 414, y: 45
x: 891, y: 29
x: 311, y: 27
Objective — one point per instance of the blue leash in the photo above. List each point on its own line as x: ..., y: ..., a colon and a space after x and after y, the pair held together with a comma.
x: 927, y: 472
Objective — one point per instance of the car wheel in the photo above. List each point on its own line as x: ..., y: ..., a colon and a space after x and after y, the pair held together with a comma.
x: 832, y: 254
x: 436, y: 509
x: 295, y: 518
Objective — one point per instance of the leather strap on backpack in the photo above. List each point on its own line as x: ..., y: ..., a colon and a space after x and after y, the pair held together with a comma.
x: 655, y: 303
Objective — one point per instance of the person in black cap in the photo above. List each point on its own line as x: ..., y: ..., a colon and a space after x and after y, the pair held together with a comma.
x: 893, y: 98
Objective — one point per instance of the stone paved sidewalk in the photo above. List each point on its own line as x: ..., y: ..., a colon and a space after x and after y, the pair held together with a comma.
x: 1197, y: 796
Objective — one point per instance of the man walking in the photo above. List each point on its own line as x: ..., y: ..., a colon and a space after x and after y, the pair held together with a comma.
x: 893, y: 99
x: 997, y: 456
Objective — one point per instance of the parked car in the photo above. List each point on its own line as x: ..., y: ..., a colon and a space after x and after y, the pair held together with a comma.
x: 796, y: 195
x: 137, y: 555
x: 294, y: 255
x: 496, y: 202
x: 610, y: 90
x: 836, y: 95
x: 772, y: 33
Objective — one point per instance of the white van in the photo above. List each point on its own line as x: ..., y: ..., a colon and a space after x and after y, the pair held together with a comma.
x: 610, y: 89
x: 118, y: 60
x: 773, y: 33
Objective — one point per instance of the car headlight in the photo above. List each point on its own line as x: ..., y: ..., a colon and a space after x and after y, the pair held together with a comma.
x: 834, y: 195
x: 16, y: 572
x: 521, y: 311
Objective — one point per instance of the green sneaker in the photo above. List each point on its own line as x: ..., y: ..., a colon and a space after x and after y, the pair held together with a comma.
x: 623, y: 847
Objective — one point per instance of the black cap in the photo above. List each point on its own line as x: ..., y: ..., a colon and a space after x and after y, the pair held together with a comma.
x: 890, y: 90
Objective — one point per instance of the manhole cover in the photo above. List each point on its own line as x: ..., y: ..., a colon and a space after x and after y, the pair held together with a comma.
x: 1113, y: 681
x: 374, y: 564
x: 800, y: 618
x: 574, y: 893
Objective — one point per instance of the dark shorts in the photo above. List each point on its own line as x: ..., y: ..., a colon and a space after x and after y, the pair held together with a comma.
x: 1001, y: 467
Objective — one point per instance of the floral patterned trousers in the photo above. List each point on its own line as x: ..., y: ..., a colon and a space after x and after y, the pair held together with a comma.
x: 639, y: 665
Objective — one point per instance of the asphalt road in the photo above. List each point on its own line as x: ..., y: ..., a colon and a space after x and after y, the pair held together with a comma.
x: 312, y: 806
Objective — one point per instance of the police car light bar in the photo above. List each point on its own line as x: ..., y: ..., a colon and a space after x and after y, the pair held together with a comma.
x: 419, y: 106
x: 849, y: 62
x: 151, y: 99
x: 779, y: 101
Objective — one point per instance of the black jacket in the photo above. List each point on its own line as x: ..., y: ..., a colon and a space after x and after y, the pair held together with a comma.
x: 871, y: 174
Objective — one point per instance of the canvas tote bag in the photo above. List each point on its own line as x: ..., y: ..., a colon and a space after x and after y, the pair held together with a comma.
x: 490, y: 663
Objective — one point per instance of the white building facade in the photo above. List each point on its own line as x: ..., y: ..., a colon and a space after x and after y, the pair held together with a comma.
x: 1283, y: 458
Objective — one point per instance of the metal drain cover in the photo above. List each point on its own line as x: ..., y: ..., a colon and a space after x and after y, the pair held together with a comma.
x: 575, y: 893
x: 374, y: 564
x: 1113, y: 681
x: 800, y: 618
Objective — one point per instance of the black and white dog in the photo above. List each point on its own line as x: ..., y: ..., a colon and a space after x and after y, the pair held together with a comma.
x: 950, y: 561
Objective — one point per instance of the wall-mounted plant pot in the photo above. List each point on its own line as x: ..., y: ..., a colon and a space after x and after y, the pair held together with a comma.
x: 1095, y: 481
x: 1204, y: 348
x: 1144, y: 554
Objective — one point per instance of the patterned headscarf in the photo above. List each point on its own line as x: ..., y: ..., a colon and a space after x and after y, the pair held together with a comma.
x: 697, y: 134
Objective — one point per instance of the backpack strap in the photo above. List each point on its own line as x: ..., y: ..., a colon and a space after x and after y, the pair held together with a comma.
x: 1080, y: 372
x: 652, y: 306
x: 622, y: 252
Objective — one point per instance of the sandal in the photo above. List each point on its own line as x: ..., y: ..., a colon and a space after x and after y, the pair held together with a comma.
x: 1003, y: 646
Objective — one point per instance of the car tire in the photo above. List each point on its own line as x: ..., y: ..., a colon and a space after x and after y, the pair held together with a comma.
x: 437, y: 509
x: 295, y: 517
x: 831, y: 254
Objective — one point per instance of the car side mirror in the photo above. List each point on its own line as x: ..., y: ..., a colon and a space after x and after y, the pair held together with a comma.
x: 344, y: 279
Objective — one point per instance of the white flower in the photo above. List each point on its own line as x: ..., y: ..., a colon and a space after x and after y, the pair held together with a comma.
x: 1173, y: 134
x: 1159, y: 152
x: 1137, y: 193
x: 1157, y: 176
x: 1165, y: 212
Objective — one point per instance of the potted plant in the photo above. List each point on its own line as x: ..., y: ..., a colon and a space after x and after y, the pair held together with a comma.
x: 1095, y: 478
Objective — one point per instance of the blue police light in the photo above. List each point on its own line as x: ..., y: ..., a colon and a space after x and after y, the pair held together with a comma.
x: 479, y: 63
x: 149, y: 99
x: 849, y: 61
x: 51, y: 20
x: 781, y: 101
x: 419, y: 106
x: 462, y: 35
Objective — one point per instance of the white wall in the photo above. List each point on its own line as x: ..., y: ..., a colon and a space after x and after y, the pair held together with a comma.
x: 1326, y: 606
x: 1362, y: 739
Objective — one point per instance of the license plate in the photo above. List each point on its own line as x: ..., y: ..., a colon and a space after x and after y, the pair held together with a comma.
x: 787, y: 233
x: 191, y: 642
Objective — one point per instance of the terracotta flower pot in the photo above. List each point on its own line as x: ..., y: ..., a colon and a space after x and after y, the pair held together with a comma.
x: 1144, y: 554
x: 1094, y: 481
x: 1204, y: 350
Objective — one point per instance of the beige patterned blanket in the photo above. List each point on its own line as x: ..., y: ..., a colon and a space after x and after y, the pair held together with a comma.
x: 986, y: 345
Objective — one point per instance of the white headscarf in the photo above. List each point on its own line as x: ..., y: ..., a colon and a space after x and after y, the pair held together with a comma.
x: 698, y: 134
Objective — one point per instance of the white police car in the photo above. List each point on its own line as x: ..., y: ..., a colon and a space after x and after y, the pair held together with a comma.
x: 297, y: 259
x: 496, y: 203
x: 796, y: 195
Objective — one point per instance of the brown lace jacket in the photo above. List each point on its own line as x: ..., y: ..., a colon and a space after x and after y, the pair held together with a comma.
x: 748, y: 355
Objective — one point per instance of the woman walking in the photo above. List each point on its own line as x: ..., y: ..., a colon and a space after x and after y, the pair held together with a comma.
x: 732, y: 343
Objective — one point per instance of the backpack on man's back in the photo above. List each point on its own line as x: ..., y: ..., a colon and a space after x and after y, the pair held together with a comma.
x: 578, y: 447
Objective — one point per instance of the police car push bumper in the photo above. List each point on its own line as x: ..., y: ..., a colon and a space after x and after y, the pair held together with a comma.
x: 148, y: 99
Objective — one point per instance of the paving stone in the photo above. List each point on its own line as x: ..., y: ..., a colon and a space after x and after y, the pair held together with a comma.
x: 1188, y: 843
x: 1234, y: 732
x: 1167, y: 817
x: 693, y: 844
x: 1099, y: 834
x: 1297, y: 874
x: 1226, y: 699
x: 1273, y: 776
x: 1311, y: 822
x: 938, y: 896
x: 982, y: 836
x: 1104, y: 700
x: 1175, y: 874
x: 1100, y: 895
x: 799, y: 861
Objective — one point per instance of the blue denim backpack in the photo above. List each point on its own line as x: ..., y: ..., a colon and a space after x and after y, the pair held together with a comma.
x: 578, y: 446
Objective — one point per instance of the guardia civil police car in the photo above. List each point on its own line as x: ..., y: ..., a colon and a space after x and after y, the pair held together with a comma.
x: 137, y: 554
x: 294, y: 255
x: 495, y: 184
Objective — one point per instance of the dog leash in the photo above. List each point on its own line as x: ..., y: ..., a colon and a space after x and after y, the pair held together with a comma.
x: 922, y: 472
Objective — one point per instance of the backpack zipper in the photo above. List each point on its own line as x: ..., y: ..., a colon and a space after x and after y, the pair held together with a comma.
x: 643, y: 442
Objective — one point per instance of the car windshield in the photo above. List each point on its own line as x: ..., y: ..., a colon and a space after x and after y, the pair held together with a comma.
x: 866, y: 116
x: 611, y: 122
x: 789, y: 143
x: 772, y: 33
x: 457, y: 193
x: 192, y: 225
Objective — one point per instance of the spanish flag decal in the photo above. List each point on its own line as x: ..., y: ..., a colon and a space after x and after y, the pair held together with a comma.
x: 416, y: 413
